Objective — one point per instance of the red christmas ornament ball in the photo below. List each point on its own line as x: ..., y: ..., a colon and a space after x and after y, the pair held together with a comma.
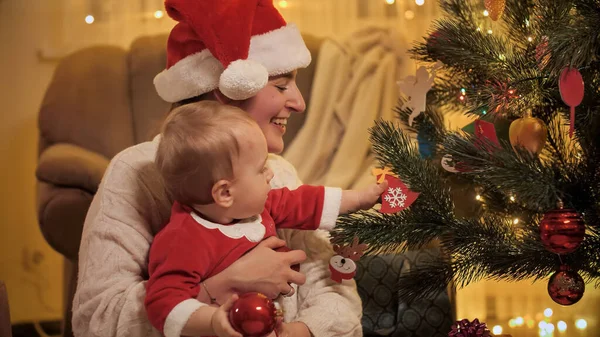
x: 253, y: 315
x: 566, y: 287
x: 562, y: 230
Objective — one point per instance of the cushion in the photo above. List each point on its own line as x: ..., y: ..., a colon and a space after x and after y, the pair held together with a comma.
x: 432, y: 316
x: 376, y: 279
x: 384, y: 314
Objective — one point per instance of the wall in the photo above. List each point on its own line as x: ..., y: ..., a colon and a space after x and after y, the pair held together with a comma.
x: 31, y: 269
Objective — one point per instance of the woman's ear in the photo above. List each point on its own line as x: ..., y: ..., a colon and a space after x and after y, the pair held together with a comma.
x: 221, y: 193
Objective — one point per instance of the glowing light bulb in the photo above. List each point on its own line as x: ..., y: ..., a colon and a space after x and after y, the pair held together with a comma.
x: 515, y: 221
x: 542, y: 325
x: 497, y: 330
x: 478, y: 29
x: 519, y: 321
x: 561, y: 326
x: 462, y: 98
x: 486, y: 13
x: 549, y: 327
x: 159, y: 14
x: 478, y: 197
x: 283, y: 4
x: 548, y: 312
x: 512, y: 323
x: 390, y: 2
x: 581, y: 324
x: 420, y: 2
x: 463, y: 91
x: 512, y: 198
x: 89, y: 19
x: 409, y: 15
x: 529, y: 38
x: 489, y: 31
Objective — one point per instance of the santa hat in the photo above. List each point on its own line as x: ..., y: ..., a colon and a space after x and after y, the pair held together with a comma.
x: 232, y: 45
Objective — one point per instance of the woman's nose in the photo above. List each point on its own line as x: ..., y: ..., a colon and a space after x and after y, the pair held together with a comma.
x: 296, y: 102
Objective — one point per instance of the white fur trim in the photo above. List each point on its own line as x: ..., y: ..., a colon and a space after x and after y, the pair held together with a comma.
x: 192, y: 76
x: 179, y: 316
x: 331, y: 207
x: 243, y: 79
x: 252, y: 229
x: 279, y: 51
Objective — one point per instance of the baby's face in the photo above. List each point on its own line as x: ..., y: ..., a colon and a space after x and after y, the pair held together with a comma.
x: 250, y: 187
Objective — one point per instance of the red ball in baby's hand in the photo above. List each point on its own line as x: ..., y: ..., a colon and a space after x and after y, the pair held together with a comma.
x: 253, y: 315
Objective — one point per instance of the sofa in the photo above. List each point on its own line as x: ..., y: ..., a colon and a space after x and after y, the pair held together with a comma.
x: 100, y: 101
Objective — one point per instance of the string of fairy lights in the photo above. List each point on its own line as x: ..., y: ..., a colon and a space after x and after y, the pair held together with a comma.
x: 281, y: 4
x: 546, y: 325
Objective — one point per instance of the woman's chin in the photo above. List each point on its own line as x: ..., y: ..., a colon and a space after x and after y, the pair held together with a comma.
x: 275, y: 145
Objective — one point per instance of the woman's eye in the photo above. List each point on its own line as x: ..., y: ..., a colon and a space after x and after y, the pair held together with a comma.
x: 281, y: 88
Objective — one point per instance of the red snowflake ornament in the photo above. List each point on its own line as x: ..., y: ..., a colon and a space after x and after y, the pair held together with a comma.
x: 397, y: 197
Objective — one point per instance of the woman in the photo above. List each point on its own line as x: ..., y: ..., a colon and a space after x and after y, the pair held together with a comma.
x: 244, y: 54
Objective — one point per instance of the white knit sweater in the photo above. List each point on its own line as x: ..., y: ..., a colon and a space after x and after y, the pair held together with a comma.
x: 127, y: 212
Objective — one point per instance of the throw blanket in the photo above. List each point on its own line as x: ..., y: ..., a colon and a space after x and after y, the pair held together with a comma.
x: 354, y: 85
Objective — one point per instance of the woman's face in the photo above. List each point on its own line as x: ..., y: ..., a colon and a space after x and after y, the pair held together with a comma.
x: 272, y: 107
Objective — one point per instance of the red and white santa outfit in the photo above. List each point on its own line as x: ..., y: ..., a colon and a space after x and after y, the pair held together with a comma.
x: 191, y: 249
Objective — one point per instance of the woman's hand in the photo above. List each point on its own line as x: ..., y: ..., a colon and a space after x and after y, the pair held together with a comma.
x: 262, y: 270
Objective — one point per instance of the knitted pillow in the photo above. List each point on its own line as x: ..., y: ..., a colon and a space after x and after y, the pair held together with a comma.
x: 376, y: 279
x: 432, y: 316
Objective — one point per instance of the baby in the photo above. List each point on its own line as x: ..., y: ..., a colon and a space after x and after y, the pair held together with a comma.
x: 213, y: 160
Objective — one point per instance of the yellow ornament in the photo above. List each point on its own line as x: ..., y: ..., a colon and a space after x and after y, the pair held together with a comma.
x: 528, y: 132
x: 495, y: 8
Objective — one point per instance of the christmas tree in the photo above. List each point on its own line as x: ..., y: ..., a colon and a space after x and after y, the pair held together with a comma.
x: 516, y: 194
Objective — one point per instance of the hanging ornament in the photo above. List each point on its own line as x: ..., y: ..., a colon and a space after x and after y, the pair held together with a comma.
x: 495, y: 8
x: 565, y: 286
x: 528, y: 132
x: 562, y: 230
x: 485, y: 134
x: 416, y: 88
x: 542, y: 53
x: 464, y: 328
x: 571, y: 91
x: 342, y: 265
x: 254, y: 315
x: 397, y: 197
x: 449, y: 165
x: 426, y: 147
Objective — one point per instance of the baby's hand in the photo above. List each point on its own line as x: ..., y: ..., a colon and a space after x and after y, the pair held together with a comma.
x: 371, y: 194
x: 220, y: 320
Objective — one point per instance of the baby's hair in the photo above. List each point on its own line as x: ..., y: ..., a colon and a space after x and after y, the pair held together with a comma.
x: 198, y: 144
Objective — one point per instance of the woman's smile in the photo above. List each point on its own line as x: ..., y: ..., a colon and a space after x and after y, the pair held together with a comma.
x: 280, y: 123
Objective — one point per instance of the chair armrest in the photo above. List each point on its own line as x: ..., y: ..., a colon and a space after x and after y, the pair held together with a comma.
x: 61, y: 213
x: 70, y: 165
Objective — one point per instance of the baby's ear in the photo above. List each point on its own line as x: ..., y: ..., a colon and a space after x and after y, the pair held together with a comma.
x: 221, y: 193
